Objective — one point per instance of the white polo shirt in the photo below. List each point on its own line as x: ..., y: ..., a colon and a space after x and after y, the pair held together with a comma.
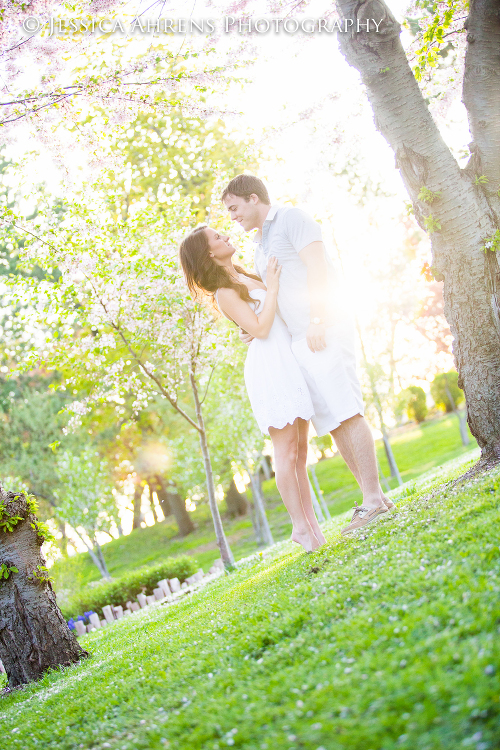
x: 287, y: 231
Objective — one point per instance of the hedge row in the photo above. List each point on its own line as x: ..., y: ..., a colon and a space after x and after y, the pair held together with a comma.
x: 121, y: 590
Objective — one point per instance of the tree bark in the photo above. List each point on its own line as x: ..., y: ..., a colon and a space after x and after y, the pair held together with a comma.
x: 162, y: 495
x: 222, y: 543
x: 33, y: 633
x: 481, y: 95
x: 260, y: 509
x: 236, y: 502
x: 319, y: 493
x: 177, y: 505
x: 136, y: 504
x: 458, y: 216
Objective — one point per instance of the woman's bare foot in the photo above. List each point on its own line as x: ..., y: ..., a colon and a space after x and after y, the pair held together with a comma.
x: 306, y: 539
x: 319, y: 536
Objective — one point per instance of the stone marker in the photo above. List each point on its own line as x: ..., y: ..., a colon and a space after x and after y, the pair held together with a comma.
x: 163, y: 584
x: 189, y: 580
x: 219, y: 564
x: 118, y: 611
x: 127, y: 612
x: 2, y: 668
x: 142, y: 600
x: 108, y: 613
x: 158, y: 594
x: 130, y: 606
x: 174, y: 584
x: 80, y: 627
x: 151, y: 599
x: 91, y: 627
x: 184, y: 585
x: 104, y: 623
x: 94, y: 620
x: 200, y: 572
x: 135, y: 606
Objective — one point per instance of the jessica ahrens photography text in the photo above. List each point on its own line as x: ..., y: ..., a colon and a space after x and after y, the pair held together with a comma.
x: 226, y: 25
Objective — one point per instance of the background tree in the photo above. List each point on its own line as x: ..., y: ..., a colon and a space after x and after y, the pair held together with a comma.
x: 33, y: 633
x: 85, y: 501
x: 447, y: 394
x: 459, y: 208
x: 415, y: 402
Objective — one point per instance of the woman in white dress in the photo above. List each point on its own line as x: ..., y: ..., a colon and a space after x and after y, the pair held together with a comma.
x: 276, y: 388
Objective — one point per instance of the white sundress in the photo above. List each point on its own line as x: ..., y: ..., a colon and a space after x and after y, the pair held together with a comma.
x: 275, y: 385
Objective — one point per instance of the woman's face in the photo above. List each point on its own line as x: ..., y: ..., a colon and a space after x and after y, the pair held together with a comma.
x: 220, y: 248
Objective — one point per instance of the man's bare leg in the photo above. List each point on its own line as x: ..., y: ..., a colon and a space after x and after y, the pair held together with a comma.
x: 303, y: 480
x: 356, y: 445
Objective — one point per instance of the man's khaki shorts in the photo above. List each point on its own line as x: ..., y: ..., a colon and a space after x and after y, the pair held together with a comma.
x: 331, y: 378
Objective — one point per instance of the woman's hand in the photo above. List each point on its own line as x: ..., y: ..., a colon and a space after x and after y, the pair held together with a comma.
x: 273, y: 275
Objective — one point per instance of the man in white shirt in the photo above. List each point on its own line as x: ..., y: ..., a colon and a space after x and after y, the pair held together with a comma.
x: 322, y: 334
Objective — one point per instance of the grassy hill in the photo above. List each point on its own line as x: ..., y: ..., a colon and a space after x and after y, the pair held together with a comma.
x: 417, y: 449
x: 385, y: 640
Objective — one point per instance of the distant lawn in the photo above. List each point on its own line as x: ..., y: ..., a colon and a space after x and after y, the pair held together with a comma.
x: 417, y: 450
x: 388, y: 640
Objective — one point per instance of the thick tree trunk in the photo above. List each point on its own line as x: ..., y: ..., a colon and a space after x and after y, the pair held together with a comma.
x: 457, y: 212
x: 177, y: 505
x: 236, y: 502
x: 152, y: 503
x: 33, y: 633
x: 162, y: 495
x: 222, y: 543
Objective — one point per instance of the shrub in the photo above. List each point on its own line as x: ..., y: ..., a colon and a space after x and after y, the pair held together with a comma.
x: 417, y: 403
x: 442, y: 383
x: 125, y: 588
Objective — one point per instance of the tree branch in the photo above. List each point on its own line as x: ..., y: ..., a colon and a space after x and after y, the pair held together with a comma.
x: 137, y: 359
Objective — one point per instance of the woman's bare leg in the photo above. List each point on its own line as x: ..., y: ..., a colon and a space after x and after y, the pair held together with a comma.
x: 285, y: 444
x: 303, y: 479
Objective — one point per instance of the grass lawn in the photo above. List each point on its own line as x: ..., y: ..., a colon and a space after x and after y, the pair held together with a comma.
x: 417, y: 449
x: 388, y: 639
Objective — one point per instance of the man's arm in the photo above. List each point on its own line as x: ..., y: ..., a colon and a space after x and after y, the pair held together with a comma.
x: 314, y: 257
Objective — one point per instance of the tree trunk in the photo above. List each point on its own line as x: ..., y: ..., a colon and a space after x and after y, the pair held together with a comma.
x: 260, y: 510
x: 461, y: 421
x: 236, y: 502
x: 388, y: 452
x: 96, y: 558
x: 458, y: 213
x: 170, y: 496
x: 136, y: 504
x: 34, y: 636
x: 222, y: 543
x: 152, y: 503
x: 315, y: 501
x: 162, y: 496
x: 319, y: 493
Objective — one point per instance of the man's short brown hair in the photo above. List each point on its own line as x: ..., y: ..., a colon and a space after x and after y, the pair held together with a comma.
x: 245, y: 185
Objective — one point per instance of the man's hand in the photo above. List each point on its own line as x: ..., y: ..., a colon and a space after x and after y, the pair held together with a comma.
x: 245, y: 337
x: 316, y: 337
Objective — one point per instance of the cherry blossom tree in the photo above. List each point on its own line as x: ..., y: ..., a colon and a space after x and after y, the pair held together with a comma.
x: 126, y: 323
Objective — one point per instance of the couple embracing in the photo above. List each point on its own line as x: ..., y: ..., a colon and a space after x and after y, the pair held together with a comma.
x: 300, y: 364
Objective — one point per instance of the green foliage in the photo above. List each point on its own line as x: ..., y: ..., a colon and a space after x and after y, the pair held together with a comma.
x: 413, y: 401
x: 427, y: 196
x: 43, y: 531
x: 7, y: 522
x: 126, y: 588
x: 84, y: 497
x: 172, y: 157
x: 434, y: 37
x: 480, y: 179
x: 442, y: 386
x: 5, y: 570
x: 431, y: 224
x: 492, y: 244
x: 41, y: 574
x: 315, y: 647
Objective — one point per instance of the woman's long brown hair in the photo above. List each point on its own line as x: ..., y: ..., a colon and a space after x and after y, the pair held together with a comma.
x: 203, y: 275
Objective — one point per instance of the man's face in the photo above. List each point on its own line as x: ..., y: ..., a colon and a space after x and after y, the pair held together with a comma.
x: 245, y: 212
